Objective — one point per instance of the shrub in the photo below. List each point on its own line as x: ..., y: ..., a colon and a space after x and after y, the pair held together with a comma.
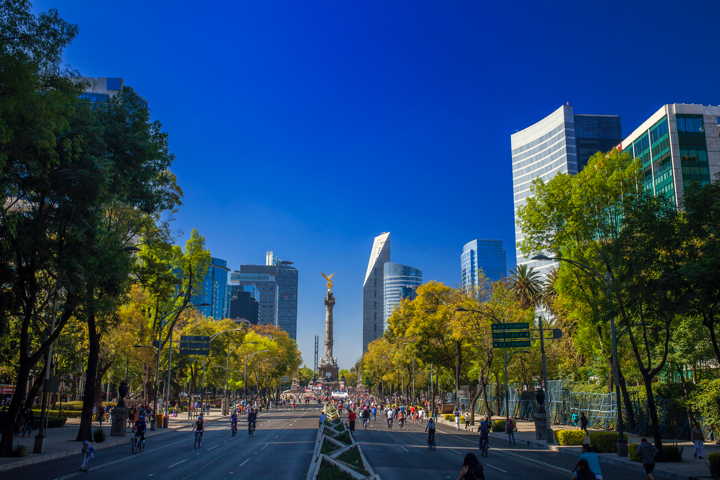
x: 19, y: 451
x: 605, y: 442
x: 53, y: 422
x: 343, y: 437
x: 329, y: 471
x: 632, y: 452
x: 352, y: 458
x: 671, y: 453
x: 328, y: 447
x: 570, y: 437
x: 714, y: 459
x: 450, y: 417
x: 98, y: 435
x: 498, y: 425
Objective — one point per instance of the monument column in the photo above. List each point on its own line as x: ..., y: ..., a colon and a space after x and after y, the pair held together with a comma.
x: 328, y: 367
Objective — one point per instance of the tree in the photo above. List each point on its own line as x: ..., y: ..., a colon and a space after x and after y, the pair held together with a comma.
x: 526, y: 286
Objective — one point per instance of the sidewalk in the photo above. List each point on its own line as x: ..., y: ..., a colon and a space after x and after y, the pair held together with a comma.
x: 689, y: 468
x: 60, y: 442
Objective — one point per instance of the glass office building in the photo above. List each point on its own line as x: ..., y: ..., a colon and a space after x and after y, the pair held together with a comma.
x: 373, y: 316
x: 243, y: 303
x: 678, y: 145
x: 213, y: 290
x: 550, y: 147
x: 398, y: 281
x: 485, y: 255
x: 261, y: 277
x: 101, y: 89
x: 287, y: 284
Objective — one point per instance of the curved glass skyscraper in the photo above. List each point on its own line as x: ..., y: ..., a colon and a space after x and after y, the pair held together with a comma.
x: 400, y: 283
x: 487, y: 255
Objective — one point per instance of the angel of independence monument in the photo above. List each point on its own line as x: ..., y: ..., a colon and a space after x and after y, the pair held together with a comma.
x: 328, y: 367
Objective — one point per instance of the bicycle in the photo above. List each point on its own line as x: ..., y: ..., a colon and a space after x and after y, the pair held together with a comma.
x: 484, y: 447
x: 198, y: 439
x: 233, y: 428
x: 251, y: 429
x: 402, y: 423
x: 136, y: 445
x: 365, y: 422
x: 431, y: 442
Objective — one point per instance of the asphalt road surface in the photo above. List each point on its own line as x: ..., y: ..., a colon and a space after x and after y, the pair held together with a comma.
x: 403, y: 455
x: 281, y: 448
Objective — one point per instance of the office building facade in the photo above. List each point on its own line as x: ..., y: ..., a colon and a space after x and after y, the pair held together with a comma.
x: 399, y: 282
x: 485, y: 255
x: 373, y: 290
x: 101, y: 89
x: 263, y: 278
x: 213, y: 290
x: 243, y: 303
x: 679, y: 144
x: 550, y: 147
x: 287, y: 284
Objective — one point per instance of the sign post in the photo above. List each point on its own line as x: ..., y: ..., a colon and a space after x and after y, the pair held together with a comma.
x: 504, y: 335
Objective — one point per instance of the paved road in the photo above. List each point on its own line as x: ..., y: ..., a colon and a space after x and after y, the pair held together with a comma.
x: 282, y: 445
x: 403, y: 455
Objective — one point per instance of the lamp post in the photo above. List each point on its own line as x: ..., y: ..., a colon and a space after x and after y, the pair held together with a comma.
x: 604, y: 281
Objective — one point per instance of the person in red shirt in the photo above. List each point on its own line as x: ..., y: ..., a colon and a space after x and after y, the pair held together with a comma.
x: 351, y: 418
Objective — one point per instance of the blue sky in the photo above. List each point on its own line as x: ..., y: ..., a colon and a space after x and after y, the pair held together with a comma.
x: 309, y: 127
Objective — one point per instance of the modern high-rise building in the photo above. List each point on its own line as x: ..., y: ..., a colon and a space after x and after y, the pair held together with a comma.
x: 562, y: 142
x: 277, y: 285
x: 243, y: 303
x: 485, y: 255
x: 101, y: 89
x: 677, y: 145
x: 213, y: 290
x: 287, y: 284
x: 398, y: 283
x: 373, y: 290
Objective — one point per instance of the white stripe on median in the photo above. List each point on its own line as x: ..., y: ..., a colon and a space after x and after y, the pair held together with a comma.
x: 178, y: 463
x: 244, y: 462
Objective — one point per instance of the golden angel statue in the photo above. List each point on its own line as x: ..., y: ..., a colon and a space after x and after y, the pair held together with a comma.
x: 329, y: 280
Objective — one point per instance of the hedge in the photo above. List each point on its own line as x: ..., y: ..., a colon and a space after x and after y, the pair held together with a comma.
x: 449, y: 417
x: 605, y: 442
x: 714, y: 459
x: 671, y: 453
x: 58, y: 413
x: 570, y: 437
x: 53, y: 422
x: 498, y: 425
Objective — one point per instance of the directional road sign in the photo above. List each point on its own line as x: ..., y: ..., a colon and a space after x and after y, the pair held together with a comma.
x: 194, y: 345
x: 510, y: 326
x: 503, y: 335
x: 516, y: 344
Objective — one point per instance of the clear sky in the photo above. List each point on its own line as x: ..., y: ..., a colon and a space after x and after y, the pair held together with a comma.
x: 309, y: 127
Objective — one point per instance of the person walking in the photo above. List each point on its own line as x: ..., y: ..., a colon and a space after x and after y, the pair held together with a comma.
x: 467, y: 420
x: 29, y: 421
x: 647, y: 452
x: 582, y: 471
x: 510, y: 428
x: 698, y: 439
x: 457, y: 418
x: 583, y: 422
x: 472, y: 469
x: 574, y: 417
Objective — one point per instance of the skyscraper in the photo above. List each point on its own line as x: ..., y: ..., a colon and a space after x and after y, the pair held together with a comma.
x: 101, y: 89
x: 487, y: 255
x: 213, y: 290
x: 287, y: 283
x: 550, y: 147
x: 373, y: 290
x: 243, y: 303
x: 398, y: 283
x: 262, y: 277
x: 677, y: 145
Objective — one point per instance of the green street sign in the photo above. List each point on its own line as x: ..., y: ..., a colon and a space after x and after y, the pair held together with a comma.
x: 516, y: 344
x: 503, y: 335
x: 510, y: 326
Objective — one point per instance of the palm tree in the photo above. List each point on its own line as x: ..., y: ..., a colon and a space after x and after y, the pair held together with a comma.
x: 548, y: 294
x: 525, y: 284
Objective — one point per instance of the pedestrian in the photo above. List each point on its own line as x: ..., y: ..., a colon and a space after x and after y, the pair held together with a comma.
x: 351, y: 419
x: 19, y: 422
x: 583, y: 422
x: 698, y: 438
x: 591, y: 459
x: 510, y: 428
x: 457, y: 418
x: 87, y: 452
x: 29, y: 421
x: 647, y: 452
x: 472, y: 468
x: 574, y: 417
x: 467, y: 420
x: 582, y: 471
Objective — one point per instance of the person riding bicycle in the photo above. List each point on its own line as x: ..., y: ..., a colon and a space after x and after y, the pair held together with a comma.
x: 141, y: 427
x: 199, y: 427
x: 252, y: 418
x: 374, y: 413
x: 366, y: 416
x: 233, y: 421
x: 484, y: 436
x: 430, y: 428
x: 390, y: 414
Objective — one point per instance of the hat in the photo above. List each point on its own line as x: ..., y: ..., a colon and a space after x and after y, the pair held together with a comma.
x: 86, y: 442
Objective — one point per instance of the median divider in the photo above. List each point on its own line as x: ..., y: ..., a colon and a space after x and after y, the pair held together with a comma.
x: 337, y: 455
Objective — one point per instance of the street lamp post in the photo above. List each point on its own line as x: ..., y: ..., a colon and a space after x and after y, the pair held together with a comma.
x: 622, y: 448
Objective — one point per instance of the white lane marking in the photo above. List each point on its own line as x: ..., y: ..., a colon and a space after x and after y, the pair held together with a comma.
x: 178, y: 463
x: 404, y: 448
x: 213, y: 447
x: 496, y: 468
x: 454, y: 451
x: 276, y: 436
x: 265, y: 446
x: 244, y: 462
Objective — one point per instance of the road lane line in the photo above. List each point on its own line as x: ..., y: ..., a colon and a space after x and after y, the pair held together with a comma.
x: 454, y: 451
x: 265, y: 446
x: 178, y: 463
x: 213, y: 447
x: 244, y: 462
x: 496, y: 468
x: 404, y: 448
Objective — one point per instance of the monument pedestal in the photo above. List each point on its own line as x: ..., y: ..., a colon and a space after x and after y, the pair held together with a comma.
x: 120, y: 413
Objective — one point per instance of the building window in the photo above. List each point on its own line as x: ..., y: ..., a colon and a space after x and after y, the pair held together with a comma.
x: 690, y: 124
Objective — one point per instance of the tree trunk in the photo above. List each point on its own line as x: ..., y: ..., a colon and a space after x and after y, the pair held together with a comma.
x: 35, y: 388
x: 657, y: 435
x: 709, y: 322
x: 631, y: 424
x: 6, y: 443
x: 686, y: 393
x: 86, y: 419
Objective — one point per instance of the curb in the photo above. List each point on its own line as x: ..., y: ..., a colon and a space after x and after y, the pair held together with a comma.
x: 98, y: 446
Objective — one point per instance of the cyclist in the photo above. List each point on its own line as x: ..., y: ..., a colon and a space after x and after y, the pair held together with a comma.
x: 374, y: 413
x: 366, y: 417
x: 233, y: 423
x: 401, y: 418
x: 199, y: 429
x: 293, y: 405
x: 390, y: 417
x: 430, y: 428
x: 484, y: 436
x: 140, y: 428
x: 252, y: 418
